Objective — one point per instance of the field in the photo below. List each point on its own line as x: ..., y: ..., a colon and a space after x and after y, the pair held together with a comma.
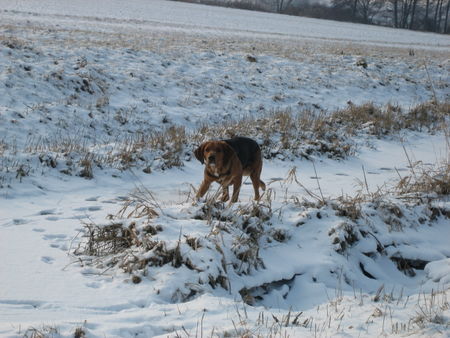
x: 101, y: 108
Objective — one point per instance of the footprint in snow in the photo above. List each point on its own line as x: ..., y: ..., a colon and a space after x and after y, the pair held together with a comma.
x: 109, y: 201
x: 15, y: 221
x: 392, y: 169
x: 47, y: 259
x: 54, y: 236
x: 47, y: 212
x: 91, y: 208
x: 93, y: 285
x: 92, y: 199
x: 23, y: 304
x: 79, y: 217
x: 52, y: 218
x: 20, y: 221
x: 58, y: 241
x: 39, y: 230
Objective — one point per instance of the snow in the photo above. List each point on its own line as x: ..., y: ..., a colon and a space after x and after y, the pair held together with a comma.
x: 182, y: 16
x: 90, y: 77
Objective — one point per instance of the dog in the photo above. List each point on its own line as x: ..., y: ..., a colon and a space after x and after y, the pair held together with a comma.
x: 226, y: 161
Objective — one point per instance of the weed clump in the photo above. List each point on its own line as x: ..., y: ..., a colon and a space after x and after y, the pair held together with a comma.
x: 282, y: 134
x: 137, y: 245
x: 390, y: 120
x: 426, y: 181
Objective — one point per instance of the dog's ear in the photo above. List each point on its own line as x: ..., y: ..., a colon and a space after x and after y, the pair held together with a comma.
x: 199, y: 153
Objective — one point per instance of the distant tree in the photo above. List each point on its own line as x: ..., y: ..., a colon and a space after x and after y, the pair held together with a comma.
x: 395, y: 11
x: 361, y: 10
x: 282, y: 5
x: 349, y: 6
x: 430, y: 15
x: 446, y: 28
x: 436, y: 10
x: 407, y: 13
x: 367, y: 9
x: 426, y: 19
x: 413, y: 13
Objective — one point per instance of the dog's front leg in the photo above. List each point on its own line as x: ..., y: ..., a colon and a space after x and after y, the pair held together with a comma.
x: 225, y: 193
x: 237, y: 182
x: 203, y: 188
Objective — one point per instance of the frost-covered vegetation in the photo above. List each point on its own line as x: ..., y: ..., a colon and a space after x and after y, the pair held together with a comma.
x: 101, y: 235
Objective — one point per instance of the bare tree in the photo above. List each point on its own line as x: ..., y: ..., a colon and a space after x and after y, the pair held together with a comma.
x: 413, y: 12
x: 430, y: 15
x: 367, y: 9
x: 361, y: 10
x: 395, y: 5
x: 347, y: 5
x: 281, y: 5
x: 446, y: 28
x: 436, y: 15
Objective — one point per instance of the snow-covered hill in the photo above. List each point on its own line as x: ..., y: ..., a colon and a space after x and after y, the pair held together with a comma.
x: 101, y: 106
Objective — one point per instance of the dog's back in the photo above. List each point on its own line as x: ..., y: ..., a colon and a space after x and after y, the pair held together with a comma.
x: 245, y: 148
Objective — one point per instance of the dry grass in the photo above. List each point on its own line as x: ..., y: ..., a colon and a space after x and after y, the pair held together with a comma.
x: 46, y: 331
x: 181, y: 41
x: 106, y: 240
x: 430, y: 308
x: 141, y: 203
x: 426, y: 319
x: 425, y: 181
x: 132, y: 242
x: 377, y: 121
x: 283, y: 134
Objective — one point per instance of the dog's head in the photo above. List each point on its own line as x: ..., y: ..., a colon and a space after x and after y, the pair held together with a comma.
x: 214, y: 153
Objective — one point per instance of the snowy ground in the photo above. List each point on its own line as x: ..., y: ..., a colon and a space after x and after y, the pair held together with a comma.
x: 82, y: 83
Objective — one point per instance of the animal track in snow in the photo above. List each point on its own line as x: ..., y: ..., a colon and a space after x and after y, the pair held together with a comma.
x: 47, y: 259
x: 20, y: 221
x: 110, y: 201
x: 59, y: 241
x: 54, y: 236
x: 91, y: 208
x: 92, y: 199
x: 47, y: 212
x: 93, y: 285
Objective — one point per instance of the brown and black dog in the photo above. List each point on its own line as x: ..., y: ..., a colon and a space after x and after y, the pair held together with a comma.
x: 226, y: 162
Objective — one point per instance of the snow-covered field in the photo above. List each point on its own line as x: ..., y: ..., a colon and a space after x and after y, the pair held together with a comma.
x: 98, y: 99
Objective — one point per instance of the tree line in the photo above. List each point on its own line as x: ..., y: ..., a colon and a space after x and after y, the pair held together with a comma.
x: 426, y: 15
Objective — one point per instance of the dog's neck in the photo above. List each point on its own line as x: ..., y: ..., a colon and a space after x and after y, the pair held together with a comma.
x: 213, y: 171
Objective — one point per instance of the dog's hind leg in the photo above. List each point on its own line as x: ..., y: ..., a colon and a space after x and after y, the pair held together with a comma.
x: 257, y: 183
x: 262, y: 185
x: 237, y: 182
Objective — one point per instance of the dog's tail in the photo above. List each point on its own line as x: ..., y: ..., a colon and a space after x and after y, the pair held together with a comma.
x: 262, y: 185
